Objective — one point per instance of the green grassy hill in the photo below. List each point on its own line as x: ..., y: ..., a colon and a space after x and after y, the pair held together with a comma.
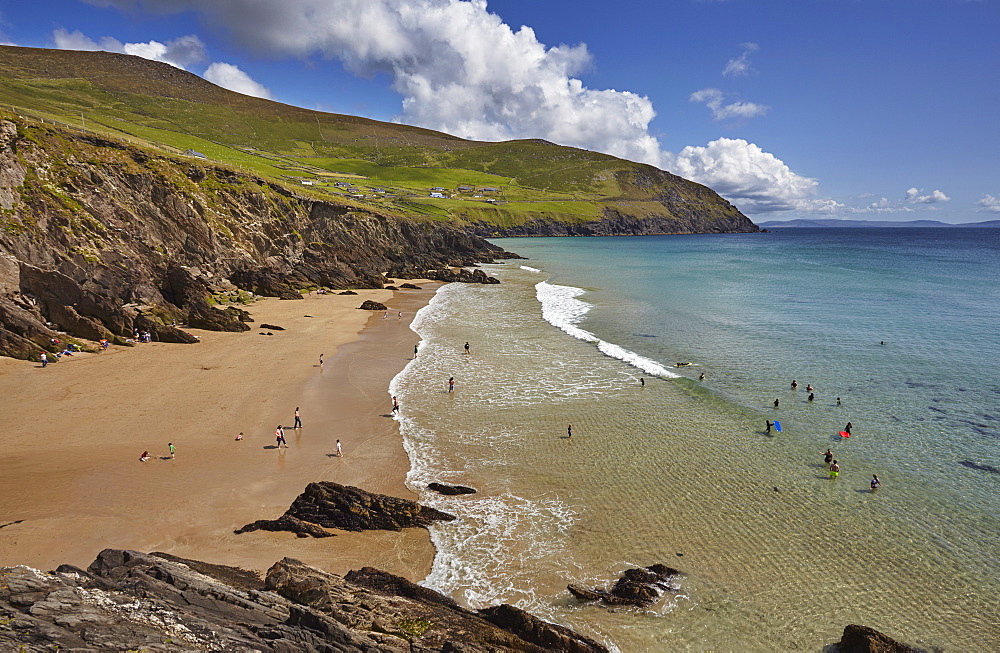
x: 514, y: 187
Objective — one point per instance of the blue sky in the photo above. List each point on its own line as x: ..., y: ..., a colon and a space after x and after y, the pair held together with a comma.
x: 875, y: 110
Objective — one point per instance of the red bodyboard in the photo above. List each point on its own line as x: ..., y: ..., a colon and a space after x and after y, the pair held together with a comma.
x: 845, y: 434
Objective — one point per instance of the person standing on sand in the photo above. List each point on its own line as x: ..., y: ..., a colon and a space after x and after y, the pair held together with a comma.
x: 415, y: 349
x: 395, y: 404
x: 321, y: 360
x: 569, y: 431
x: 834, y: 469
x: 173, y: 449
x: 298, y: 419
x: 279, y: 437
x: 451, y: 384
x: 467, y: 350
x: 340, y: 452
x: 399, y: 316
x: 45, y: 359
x: 875, y: 484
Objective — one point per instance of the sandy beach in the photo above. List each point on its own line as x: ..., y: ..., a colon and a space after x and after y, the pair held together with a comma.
x: 73, y: 483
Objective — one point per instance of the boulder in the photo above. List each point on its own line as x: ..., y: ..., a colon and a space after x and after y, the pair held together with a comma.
x: 347, y: 292
x: 369, y: 305
x: 461, y: 275
x: 552, y: 637
x: 273, y: 327
x: 286, y: 523
x: 862, y: 639
x: 450, y: 490
x: 409, y: 286
x: 348, y: 508
x: 638, y: 587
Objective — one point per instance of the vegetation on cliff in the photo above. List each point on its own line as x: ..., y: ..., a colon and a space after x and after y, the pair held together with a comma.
x: 520, y: 187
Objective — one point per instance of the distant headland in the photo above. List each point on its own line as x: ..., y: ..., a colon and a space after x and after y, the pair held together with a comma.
x: 827, y: 223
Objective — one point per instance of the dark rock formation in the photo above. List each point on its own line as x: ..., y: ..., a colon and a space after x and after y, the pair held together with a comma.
x: 461, y: 276
x: 369, y: 305
x: 348, y: 508
x: 347, y: 292
x: 286, y: 523
x: 450, y: 490
x: 528, y: 627
x: 273, y: 327
x: 862, y: 639
x: 639, y: 587
x: 409, y: 286
x: 101, y: 238
x: 134, y: 601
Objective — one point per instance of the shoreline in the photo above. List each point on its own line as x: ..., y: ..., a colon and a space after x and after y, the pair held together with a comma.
x: 78, y: 427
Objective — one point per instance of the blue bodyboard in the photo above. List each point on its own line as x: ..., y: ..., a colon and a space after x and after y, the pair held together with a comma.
x: 777, y: 426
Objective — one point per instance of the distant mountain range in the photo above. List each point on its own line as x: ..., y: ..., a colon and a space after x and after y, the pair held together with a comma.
x: 828, y: 223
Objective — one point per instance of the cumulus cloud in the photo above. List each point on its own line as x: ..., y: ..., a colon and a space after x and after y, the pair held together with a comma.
x: 749, y: 176
x: 231, y: 77
x: 989, y: 204
x: 460, y: 69
x: 713, y: 98
x: 913, y: 196
x: 180, y: 52
x: 740, y: 66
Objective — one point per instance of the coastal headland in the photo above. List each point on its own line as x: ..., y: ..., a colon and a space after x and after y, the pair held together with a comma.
x: 74, y: 484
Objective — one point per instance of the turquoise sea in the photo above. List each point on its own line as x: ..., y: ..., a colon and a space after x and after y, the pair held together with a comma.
x: 777, y: 555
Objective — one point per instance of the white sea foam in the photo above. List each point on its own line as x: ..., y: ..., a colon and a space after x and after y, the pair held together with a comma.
x: 562, y: 309
x: 530, y: 269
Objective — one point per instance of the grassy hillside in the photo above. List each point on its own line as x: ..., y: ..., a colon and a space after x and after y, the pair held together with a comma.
x: 395, y: 167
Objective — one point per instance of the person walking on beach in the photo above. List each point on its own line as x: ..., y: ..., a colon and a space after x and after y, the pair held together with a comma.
x: 279, y: 437
x: 451, y: 384
x: 321, y: 360
x: 467, y: 350
x: 875, y: 484
x: 340, y: 452
x: 834, y: 469
x: 298, y: 419
x: 173, y: 449
x: 828, y: 457
x: 415, y: 348
x: 395, y: 404
x: 847, y: 429
x: 45, y: 359
x: 569, y: 431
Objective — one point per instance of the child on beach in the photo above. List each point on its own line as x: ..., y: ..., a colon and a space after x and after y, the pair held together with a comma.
x: 144, y: 457
x: 340, y: 452
x: 173, y: 449
x: 240, y: 436
x: 395, y: 404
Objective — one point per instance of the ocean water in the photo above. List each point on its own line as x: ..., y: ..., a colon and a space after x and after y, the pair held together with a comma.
x: 777, y: 556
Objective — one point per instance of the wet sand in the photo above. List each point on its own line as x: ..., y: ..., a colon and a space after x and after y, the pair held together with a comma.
x: 70, y: 471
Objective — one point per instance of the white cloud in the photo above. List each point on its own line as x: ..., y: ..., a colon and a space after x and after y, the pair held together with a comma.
x: 750, y: 177
x: 913, y: 196
x: 740, y: 66
x: 989, y: 204
x: 180, y: 52
x: 460, y: 69
x: 231, y: 77
x: 713, y: 98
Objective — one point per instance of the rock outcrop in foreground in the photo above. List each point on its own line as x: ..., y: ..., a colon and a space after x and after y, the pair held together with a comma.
x: 332, y: 505
x: 128, y: 600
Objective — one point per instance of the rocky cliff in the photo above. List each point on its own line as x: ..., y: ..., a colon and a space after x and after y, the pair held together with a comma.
x: 128, y: 600
x: 98, y: 238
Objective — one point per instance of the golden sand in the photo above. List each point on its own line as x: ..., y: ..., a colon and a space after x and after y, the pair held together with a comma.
x: 73, y: 432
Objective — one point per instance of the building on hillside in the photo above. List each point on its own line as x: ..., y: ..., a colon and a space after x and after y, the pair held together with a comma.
x: 194, y: 153
x: 466, y: 189
x: 438, y: 195
x: 490, y: 189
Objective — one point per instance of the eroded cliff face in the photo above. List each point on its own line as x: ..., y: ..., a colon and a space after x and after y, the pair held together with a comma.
x: 98, y: 238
